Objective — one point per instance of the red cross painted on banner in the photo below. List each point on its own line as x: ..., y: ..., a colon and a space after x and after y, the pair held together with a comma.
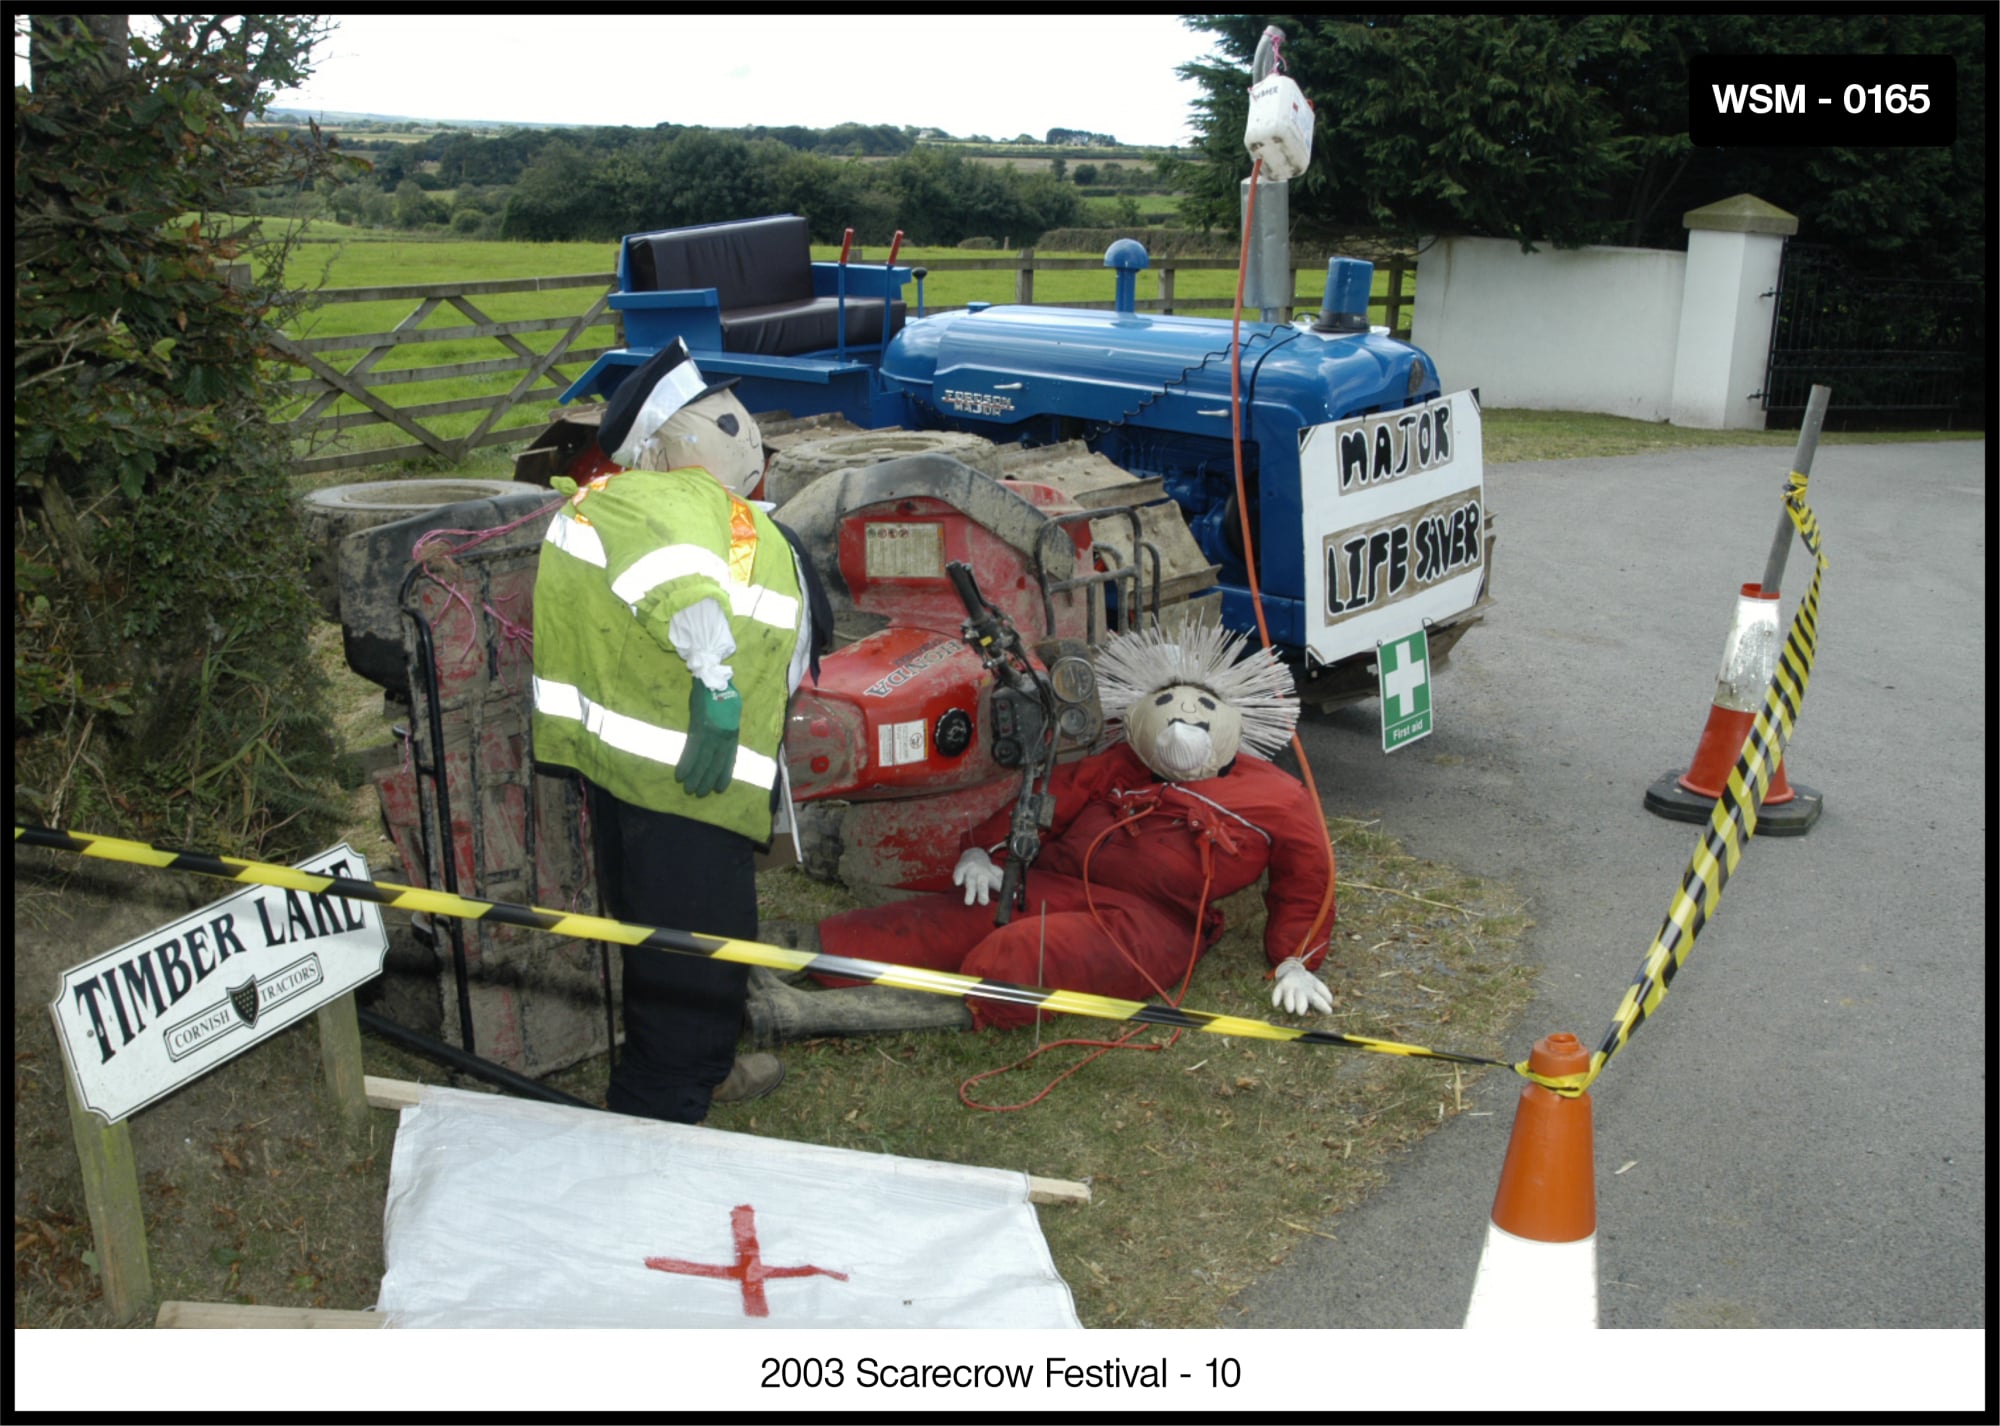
x: 748, y: 1269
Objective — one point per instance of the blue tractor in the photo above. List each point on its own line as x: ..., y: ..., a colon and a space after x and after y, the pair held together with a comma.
x: 1362, y: 478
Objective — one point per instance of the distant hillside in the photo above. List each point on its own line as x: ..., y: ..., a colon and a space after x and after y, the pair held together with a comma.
x: 347, y: 118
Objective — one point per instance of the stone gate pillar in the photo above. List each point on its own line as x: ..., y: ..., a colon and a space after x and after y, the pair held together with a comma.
x: 1727, y: 305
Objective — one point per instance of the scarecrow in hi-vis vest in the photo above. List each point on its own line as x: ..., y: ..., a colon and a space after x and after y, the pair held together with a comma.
x: 1148, y: 835
x: 673, y: 620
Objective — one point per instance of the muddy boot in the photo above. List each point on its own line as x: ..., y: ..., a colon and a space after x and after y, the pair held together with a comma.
x: 751, y: 1077
x: 780, y: 1013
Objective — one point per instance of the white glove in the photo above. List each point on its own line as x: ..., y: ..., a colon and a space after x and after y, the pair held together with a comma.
x: 1299, y: 990
x: 980, y: 878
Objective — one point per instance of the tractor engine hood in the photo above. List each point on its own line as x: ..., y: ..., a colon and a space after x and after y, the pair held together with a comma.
x: 1004, y: 365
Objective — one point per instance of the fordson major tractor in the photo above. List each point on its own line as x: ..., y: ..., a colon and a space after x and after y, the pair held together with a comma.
x: 1042, y: 473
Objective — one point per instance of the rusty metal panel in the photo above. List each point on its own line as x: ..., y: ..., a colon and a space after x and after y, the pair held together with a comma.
x: 517, y: 833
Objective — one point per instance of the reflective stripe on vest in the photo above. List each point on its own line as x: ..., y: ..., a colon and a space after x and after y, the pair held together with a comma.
x: 670, y: 562
x: 632, y: 735
x: 576, y: 537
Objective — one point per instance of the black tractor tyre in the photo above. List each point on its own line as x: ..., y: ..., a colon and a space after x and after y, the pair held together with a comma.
x: 793, y: 469
x: 332, y: 514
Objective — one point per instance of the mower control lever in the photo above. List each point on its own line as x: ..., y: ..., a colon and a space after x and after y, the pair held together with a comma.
x: 1023, y: 712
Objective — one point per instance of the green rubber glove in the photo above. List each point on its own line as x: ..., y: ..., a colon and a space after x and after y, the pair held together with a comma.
x: 714, y: 721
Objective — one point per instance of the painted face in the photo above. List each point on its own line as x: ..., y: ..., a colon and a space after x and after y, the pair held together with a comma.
x: 715, y: 433
x: 1184, y: 733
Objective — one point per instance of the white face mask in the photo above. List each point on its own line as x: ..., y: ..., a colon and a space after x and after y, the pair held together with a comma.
x: 1184, y: 733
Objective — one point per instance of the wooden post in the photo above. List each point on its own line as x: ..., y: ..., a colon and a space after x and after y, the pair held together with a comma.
x: 1395, y: 305
x: 1024, y: 278
x: 340, y: 1056
x: 117, y: 1218
x: 1167, y: 290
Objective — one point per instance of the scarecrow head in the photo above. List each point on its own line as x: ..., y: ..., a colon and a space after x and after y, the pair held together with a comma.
x: 668, y: 416
x: 1187, y: 703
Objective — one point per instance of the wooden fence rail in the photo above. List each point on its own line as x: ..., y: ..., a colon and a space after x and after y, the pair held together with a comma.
x: 317, y: 425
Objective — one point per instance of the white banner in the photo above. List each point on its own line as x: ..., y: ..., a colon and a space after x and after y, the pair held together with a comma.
x: 511, y: 1213
x: 138, y: 1022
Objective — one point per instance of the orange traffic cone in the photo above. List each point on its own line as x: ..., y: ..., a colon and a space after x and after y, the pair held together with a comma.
x: 1749, y: 658
x: 1539, y: 1267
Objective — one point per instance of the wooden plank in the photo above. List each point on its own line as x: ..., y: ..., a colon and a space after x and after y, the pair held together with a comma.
x: 412, y: 291
x: 427, y: 334
x: 381, y: 455
x: 432, y: 443
x: 416, y: 411
x: 1056, y: 1190
x: 391, y: 1093
x: 368, y: 359
x: 535, y: 373
x: 308, y: 385
x: 512, y: 343
x: 117, y: 1218
x: 237, y: 1315
x: 402, y: 1093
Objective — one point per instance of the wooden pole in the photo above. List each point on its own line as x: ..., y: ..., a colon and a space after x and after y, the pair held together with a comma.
x: 340, y: 1056
x: 117, y: 1218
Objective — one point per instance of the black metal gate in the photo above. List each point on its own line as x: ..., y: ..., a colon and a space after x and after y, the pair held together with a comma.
x: 1895, y: 349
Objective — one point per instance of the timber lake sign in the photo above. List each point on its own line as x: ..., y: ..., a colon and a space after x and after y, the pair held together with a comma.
x: 138, y: 1022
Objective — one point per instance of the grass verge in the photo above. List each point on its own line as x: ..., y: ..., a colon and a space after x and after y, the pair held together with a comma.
x: 1514, y: 435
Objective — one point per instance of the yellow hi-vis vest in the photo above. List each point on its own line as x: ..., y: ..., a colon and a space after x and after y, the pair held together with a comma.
x: 620, y: 559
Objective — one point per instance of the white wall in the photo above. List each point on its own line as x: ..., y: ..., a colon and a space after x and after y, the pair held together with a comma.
x: 1591, y: 329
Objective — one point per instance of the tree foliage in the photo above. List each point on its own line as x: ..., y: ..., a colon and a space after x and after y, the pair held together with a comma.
x: 159, y: 613
x: 570, y: 193
x: 1571, y: 128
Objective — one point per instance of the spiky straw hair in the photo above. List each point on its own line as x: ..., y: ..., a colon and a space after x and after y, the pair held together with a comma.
x: 1139, y: 664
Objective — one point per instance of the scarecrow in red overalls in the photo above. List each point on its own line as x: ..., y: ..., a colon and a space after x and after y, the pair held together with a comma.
x: 1148, y: 835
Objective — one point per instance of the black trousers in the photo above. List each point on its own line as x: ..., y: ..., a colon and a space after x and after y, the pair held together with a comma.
x: 682, y: 1013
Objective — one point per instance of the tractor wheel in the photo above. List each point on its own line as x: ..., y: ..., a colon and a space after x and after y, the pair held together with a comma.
x: 332, y: 514
x: 793, y: 469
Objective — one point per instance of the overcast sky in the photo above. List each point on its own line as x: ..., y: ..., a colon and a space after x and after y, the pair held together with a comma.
x: 996, y: 74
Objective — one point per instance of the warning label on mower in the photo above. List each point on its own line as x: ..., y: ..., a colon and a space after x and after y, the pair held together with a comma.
x: 1394, y: 512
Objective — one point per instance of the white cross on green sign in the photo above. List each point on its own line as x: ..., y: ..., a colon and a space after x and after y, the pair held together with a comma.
x: 1404, y: 667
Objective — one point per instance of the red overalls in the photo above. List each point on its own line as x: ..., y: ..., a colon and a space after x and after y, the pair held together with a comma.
x: 1182, y: 847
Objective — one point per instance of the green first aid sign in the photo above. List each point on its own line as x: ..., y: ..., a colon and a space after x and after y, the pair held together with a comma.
x: 1404, y: 668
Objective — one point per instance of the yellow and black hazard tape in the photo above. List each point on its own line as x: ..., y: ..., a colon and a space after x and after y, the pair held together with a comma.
x: 602, y: 928
x: 1730, y: 823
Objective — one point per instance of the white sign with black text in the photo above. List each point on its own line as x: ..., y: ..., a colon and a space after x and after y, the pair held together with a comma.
x: 1394, y: 523
x: 138, y: 1022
